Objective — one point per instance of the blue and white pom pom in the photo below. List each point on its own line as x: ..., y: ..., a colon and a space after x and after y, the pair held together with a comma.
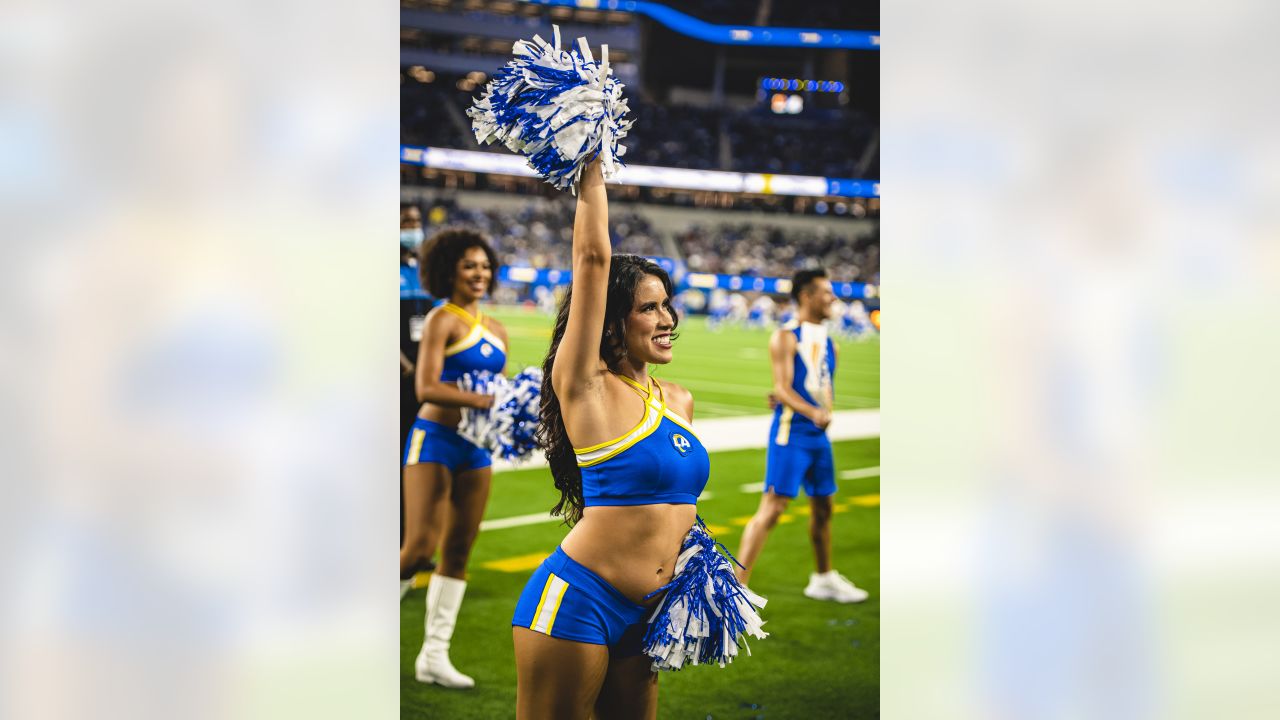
x: 515, y: 416
x: 558, y: 108
x: 705, y: 612
x: 507, y: 426
x: 476, y: 424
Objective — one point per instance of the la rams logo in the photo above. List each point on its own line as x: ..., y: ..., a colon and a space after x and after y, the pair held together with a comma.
x: 680, y: 443
x: 486, y: 349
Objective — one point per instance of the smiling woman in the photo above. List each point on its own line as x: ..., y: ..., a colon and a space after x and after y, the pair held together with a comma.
x: 607, y: 610
x: 446, y: 478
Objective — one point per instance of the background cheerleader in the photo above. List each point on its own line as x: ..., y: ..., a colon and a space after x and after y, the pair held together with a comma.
x: 446, y: 478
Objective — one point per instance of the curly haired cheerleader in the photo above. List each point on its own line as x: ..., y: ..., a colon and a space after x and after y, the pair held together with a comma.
x: 446, y: 477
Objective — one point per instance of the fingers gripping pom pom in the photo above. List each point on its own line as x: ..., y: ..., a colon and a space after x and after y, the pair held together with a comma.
x: 560, y: 109
x: 506, y: 427
x: 705, y: 610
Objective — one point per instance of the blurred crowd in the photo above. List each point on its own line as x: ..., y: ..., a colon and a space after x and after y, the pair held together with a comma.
x: 751, y: 248
x: 538, y: 234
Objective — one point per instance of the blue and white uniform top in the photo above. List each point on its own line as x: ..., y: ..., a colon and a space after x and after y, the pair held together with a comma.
x: 480, y: 349
x: 658, y: 461
x: 812, y: 372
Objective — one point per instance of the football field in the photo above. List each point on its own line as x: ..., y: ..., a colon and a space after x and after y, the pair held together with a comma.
x: 820, y: 660
x: 727, y: 370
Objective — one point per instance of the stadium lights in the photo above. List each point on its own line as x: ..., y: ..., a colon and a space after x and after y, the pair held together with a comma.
x: 786, y: 104
x: 826, y: 86
x: 651, y: 176
x: 724, y: 34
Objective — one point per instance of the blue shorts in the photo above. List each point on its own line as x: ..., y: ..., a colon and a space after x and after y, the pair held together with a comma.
x: 566, y: 600
x: 431, y: 442
x: 796, y: 464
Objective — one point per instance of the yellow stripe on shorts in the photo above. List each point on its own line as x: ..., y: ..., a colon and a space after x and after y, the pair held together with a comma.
x: 784, y: 426
x: 415, y: 446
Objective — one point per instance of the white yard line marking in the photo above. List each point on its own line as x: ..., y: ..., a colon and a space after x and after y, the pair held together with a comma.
x: 517, y: 521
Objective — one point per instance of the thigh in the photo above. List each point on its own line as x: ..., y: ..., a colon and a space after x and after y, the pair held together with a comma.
x: 468, y: 497
x: 426, y: 488
x: 630, y: 690
x: 556, y: 678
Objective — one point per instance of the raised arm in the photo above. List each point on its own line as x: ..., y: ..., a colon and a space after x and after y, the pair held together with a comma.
x: 782, y: 347
x: 426, y: 380
x: 577, y: 365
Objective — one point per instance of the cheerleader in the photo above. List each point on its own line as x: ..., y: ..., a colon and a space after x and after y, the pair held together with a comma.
x: 446, y: 478
x: 629, y: 469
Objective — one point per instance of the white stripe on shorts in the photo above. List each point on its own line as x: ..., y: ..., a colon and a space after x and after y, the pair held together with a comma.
x: 550, y: 605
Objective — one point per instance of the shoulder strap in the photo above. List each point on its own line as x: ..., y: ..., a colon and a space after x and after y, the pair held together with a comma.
x: 468, y: 318
x: 642, y: 391
x: 662, y: 395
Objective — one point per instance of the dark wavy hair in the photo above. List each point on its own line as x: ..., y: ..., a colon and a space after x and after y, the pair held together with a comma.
x: 625, y: 274
x: 438, y: 258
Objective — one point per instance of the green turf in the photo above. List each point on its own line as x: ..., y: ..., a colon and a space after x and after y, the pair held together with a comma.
x: 821, y: 660
x: 727, y: 371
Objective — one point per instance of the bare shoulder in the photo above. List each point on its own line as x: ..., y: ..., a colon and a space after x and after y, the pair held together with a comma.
x: 679, y: 398
x: 782, y: 339
x: 441, y: 320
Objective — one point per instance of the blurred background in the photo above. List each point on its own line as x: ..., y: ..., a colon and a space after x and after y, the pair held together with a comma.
x: 755, y: 153
x: 196, y: 508
x: 790, y: 123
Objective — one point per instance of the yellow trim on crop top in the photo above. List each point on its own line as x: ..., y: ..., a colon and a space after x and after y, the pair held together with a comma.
x: 655, y: 408
x: 477, y: 333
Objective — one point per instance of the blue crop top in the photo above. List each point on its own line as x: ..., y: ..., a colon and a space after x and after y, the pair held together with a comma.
x: 479, y: 350
x: 658, y: 461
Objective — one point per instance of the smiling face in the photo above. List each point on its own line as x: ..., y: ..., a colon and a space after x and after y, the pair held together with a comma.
x: 474, y: 273
x: 650, y: 323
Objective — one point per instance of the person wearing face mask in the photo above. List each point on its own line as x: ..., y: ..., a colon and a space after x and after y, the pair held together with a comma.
x: 411, y: 234
x: 446, y: 478
x: 799, y: 454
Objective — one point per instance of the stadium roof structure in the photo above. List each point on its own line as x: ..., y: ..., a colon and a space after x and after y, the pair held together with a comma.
x: 731, y: 34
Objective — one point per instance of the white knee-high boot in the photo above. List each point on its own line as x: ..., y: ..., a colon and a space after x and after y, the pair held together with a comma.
x: 444, y: 598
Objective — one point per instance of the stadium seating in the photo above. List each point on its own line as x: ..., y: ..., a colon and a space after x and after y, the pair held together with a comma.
x: 538, y: 234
